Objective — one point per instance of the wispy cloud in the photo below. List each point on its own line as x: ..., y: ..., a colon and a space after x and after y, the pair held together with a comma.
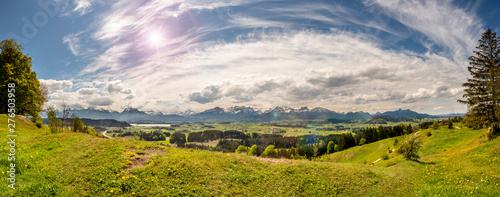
x: 82, y: 6
x: 266, y: 56
x: 450, y: 27
x: 72, y: 40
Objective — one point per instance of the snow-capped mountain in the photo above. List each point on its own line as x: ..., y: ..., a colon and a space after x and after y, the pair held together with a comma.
x: 236, y: 114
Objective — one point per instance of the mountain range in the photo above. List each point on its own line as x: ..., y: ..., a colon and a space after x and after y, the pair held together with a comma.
x: 238, y: 114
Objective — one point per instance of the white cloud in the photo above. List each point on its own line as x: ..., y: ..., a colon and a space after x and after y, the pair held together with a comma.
x: 437, y: 92
x: 55, y: 85
x: 87, y: 91
x: 82, y: 6
x: 451, y: 27
x: 72, y: 40
x: 280, y: 63
x: 114, y: 87
x: 111, y: 59
x: 252, y: 22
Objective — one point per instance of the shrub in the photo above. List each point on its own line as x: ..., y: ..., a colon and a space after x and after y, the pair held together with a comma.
x: 38, y: 125
x: 428, y: 133
x: 241, y: 149
x: 254, y: 151
x: 269, y: 152
x: 395, y: 142
x: 362, y: 141
x: 435, y: 125
x: 409, y: 149
x: 450, y: 125
x: 385, y: 157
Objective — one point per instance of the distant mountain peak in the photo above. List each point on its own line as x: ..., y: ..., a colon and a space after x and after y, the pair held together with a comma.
x: 404, y: 113
x: 320, y: 110
x: 131, y: 110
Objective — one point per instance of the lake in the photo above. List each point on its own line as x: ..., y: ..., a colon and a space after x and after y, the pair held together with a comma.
x: 150, y: 125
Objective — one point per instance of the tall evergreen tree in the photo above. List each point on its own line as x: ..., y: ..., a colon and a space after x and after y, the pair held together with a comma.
x: 482, y: 91
x: 15, y: 67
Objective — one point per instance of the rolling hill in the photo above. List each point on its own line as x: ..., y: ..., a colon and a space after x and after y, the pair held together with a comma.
x: 454, y: 162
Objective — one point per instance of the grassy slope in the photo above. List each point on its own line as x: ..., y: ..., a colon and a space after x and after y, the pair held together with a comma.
x: 73, y: 164
x: 454, y: 162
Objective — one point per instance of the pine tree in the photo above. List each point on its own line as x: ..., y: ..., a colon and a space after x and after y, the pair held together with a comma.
x: 482, y: 92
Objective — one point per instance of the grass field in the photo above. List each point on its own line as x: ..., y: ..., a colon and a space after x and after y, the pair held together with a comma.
x: 458, y: 162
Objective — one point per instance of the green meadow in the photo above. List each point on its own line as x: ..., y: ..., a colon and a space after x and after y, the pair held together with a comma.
x: 454, y: 162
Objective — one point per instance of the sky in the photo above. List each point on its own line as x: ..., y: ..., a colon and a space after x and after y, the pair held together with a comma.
x: 172, y: 56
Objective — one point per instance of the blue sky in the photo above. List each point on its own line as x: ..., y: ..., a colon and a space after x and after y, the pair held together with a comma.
x: 173, y: 56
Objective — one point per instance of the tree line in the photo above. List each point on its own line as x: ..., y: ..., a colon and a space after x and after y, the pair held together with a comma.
x: 304, y: 146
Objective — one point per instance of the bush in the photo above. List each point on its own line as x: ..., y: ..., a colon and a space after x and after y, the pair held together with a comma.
x: 450, y: 125
x: 385, y: 157
x: 362, y: 141
x: 435, y: 125
x: 428, y: 133
x: 254, y: 151
x: 241, y: 149
x: 38, y: 125
x: 395, y: 142
x: 269, y: 152
x: 409, y: 149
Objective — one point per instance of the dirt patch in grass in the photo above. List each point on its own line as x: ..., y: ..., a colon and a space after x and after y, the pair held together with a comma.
x: 24, y: 119
x: 275, y: 161
x: 139, y: 157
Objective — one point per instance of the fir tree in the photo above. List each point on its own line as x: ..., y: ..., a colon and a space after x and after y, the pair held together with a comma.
x: 482, y: 90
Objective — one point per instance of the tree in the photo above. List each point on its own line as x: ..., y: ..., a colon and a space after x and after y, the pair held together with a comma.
x: 410, y: 148
x: 178, y: 138
x: 330, y: 148
x: 15, y: 67
x: 53, y: 121
x: 482, y: 91
x: 435, y: 125
x: 450, y: 125
x: 65, y: 109
x: 241, y: 149
x: 254, y: 150
x: 78, y: 125
x: 269, y: 151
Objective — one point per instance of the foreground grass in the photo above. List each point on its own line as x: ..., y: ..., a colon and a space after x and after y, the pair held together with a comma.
x: 454, y: 162
x: 75, y: 164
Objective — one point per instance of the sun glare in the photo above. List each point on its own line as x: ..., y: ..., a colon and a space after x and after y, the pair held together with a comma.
x: 155, y: 38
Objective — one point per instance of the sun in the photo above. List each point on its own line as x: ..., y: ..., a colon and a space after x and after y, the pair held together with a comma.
x: 155, y: 38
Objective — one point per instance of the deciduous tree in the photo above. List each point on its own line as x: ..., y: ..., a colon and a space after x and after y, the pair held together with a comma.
x: 15, y: 67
